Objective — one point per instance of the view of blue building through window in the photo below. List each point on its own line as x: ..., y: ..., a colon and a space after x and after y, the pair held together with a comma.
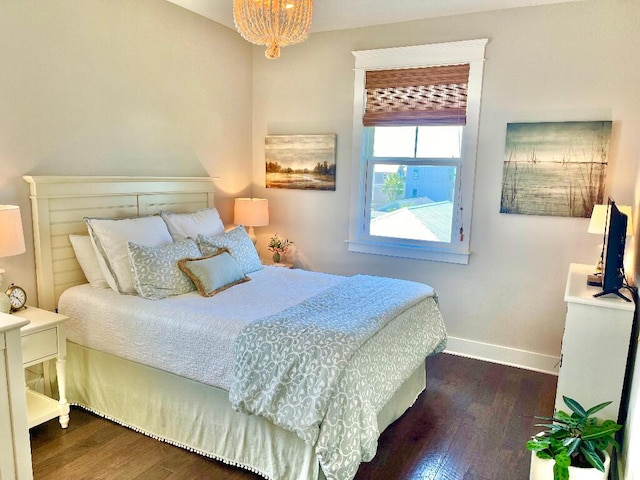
x: 414, y: 179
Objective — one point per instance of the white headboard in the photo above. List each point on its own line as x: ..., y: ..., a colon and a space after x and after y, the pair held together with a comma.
x: 58, y: 205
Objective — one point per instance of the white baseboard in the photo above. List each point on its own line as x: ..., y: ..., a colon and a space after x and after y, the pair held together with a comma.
x: 503, y: 355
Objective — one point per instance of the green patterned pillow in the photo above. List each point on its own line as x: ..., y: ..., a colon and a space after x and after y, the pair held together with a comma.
x: 238, y: 243
x: 214, y: 273
x: 155, y: 269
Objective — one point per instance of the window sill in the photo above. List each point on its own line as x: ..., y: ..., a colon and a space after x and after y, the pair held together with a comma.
x: 404, y: 251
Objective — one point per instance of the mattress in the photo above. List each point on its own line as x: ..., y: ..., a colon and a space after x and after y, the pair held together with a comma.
x: 338, y: 333
x: 156, y: 332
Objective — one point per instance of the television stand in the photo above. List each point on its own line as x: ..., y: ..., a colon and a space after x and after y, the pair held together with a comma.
x: 615, y: 292
x: 586, y: 352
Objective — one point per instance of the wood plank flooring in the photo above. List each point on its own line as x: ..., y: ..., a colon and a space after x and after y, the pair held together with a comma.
x: 470, y: 424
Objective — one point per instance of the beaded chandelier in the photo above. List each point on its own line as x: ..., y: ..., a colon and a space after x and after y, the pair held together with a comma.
x: 273, y: 23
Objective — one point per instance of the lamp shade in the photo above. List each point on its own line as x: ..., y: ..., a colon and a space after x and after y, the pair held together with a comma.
x: 11, y: 235
x: 251, y: 212
x: 599, y: 218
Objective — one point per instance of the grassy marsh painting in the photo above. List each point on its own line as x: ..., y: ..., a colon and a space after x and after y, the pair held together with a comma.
x: 555, y: 168
x: 306, y: 162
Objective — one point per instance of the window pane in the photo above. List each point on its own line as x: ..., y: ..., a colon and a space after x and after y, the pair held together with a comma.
x: 413, y: 202
x: 439, y: 142
x: 394, y: 141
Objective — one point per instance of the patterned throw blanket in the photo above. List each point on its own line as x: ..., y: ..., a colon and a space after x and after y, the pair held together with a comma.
x: 301, y: 370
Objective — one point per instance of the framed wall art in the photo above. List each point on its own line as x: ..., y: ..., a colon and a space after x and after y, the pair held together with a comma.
x: 555, y: 168
x: 304, y: 162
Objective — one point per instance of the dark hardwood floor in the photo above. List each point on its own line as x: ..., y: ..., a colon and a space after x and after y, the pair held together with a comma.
x: 470, y: 424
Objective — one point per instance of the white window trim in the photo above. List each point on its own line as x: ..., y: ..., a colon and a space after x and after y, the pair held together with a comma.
x: 468, y: 51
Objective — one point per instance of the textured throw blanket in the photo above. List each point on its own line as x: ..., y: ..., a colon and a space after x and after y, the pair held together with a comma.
x: 301, y: 370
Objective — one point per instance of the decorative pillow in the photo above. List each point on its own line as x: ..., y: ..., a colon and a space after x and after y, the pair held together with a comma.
x: 203, y: 222
x: 155, y: 269
x: 214, y: 273
x: 110, y: 237
x: 86, y: 256
x: 238, y: 243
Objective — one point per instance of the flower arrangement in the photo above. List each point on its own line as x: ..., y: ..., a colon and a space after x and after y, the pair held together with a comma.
x: 278, y: 246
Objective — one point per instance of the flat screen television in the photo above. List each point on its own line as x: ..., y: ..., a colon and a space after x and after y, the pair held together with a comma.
x: 613, y: 278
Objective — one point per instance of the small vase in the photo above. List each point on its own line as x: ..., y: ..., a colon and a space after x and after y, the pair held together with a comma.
x: 276, y: 257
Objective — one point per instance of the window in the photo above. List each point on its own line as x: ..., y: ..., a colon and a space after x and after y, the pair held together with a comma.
x: 417, y: 207
x: 416, y: 112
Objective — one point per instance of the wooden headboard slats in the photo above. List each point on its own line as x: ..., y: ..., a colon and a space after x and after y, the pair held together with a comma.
x: 65, y: 229
x: 71, y: 204
x: 60, y: 203
x: 74, y: 277
x: 60, y: 254
x: 67, y: 265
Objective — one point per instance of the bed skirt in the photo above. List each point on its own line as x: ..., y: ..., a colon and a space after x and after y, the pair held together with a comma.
x: 199, y: 417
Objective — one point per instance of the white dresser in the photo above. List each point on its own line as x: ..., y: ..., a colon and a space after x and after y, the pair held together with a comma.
x: 594, y: 346
x: 15, y: 450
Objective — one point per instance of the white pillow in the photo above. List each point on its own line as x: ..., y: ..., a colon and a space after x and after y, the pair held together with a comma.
x: 203, y: 222
x: 86, y: 256
x: 110, y: 237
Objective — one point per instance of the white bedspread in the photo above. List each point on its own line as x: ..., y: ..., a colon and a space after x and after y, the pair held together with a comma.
x: 179, y: 334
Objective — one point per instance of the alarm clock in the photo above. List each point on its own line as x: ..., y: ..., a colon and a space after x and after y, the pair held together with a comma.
x: 17, y: 297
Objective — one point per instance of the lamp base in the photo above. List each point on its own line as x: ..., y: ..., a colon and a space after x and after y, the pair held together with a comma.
x: 252, y: 235
x: 594, y: 279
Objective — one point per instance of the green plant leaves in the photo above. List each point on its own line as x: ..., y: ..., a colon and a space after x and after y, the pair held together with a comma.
x: 563, y: 460
x: 572, y: 444
x: 544, y: 455
x: 575, y: 406
x: 575, y: 439
x: 597, y: 408
x: 601, y: 431
x: 535, y: 445
x: 592, y: 457
x: 561, y: 467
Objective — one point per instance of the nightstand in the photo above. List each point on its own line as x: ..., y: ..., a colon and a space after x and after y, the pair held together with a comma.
x: 15, y: 451
x: 44, y: 339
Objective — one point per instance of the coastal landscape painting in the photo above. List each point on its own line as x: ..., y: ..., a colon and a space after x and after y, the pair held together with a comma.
x: 555, y: 168
x: 306, y: 162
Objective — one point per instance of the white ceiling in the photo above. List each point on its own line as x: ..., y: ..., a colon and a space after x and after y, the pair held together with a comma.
x: 341, y: 14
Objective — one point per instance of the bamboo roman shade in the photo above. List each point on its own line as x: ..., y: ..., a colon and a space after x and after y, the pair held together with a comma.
x: 417, y: 96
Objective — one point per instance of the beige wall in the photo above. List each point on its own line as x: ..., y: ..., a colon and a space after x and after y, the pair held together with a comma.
x: 574, y: 61
x: 123, y: 87
x: 118, y: 87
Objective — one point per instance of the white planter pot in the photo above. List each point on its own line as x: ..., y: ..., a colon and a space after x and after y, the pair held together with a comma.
x: 542, y: 469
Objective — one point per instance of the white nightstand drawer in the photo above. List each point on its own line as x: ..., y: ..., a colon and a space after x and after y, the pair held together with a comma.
x: 43, y: 339
x: 39, y: 345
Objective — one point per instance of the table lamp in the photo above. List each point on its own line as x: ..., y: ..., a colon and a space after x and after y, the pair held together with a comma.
x: 251, y: 212
x: 11, y: 243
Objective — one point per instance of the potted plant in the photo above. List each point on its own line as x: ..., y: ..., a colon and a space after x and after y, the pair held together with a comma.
x: 278, y: 246
x: 573, y: 446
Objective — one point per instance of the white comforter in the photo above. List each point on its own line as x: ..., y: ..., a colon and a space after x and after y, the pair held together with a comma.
x: 179, y: 334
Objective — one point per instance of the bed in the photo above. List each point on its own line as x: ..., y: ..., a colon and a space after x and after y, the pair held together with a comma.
x: 182, y: 369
